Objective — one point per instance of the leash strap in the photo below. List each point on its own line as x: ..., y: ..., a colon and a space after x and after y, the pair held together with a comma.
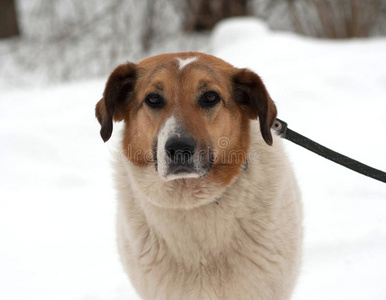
x: 284, y: 132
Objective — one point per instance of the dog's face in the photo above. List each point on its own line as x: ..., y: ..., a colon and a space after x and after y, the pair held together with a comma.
x: 186, y: 115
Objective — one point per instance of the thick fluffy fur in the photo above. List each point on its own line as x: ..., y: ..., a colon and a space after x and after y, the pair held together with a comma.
x: 225, y: 229
x: 245, y: 247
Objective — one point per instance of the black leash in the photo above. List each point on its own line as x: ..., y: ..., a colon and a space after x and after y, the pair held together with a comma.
x: 284, y: 132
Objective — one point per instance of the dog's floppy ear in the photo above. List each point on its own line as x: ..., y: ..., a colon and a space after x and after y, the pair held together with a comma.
x: 252, y: 96
x: 117, y: 94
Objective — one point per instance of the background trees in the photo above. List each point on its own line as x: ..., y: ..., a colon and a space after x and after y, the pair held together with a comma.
x: 8, y: 20
x: 69, y: 39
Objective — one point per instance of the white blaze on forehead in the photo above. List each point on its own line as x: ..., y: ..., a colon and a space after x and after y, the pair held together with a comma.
x: 168, y: 129
x: 183, y: 62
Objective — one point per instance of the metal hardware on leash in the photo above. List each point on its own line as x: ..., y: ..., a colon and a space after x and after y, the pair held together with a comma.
x: 283, y: 131
x: 280, y: 127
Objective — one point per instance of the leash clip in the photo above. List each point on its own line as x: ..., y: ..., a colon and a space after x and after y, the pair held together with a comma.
x: 280, y: 127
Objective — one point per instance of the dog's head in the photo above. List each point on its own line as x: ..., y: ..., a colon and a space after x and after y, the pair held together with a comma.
x: 186, y: 115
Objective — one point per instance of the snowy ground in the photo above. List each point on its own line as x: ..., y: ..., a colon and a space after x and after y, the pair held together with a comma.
x: 57, y: 208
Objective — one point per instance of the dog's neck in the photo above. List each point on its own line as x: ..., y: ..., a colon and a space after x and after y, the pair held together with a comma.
x: 206, y: 230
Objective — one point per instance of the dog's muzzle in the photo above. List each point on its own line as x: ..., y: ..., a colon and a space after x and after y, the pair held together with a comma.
x: 180, y: 150
x: 177, y: 154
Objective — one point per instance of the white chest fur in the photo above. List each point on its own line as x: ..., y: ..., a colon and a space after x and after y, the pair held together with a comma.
x: 247, y: 247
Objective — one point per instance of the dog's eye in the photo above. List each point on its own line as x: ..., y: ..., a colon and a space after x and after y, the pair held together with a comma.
x: 209, y: 99
x: 154, y: 101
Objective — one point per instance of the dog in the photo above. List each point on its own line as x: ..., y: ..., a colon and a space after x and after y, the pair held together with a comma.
x: 208, y: 204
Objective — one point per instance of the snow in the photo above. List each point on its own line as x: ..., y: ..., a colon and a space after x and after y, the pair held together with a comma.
x: 57, y: 208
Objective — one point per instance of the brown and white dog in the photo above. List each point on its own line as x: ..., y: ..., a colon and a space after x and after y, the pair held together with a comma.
x: 208, y: 206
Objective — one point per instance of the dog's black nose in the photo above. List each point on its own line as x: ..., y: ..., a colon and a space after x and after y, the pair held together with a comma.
x: 180, y: 149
